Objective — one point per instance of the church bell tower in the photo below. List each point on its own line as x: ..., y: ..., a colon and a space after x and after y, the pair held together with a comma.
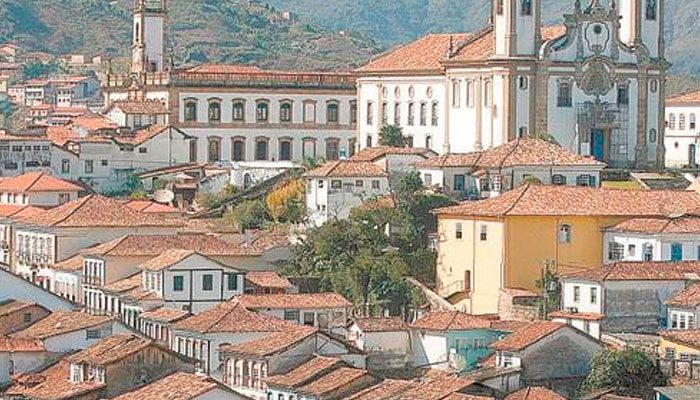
x: 148, y: 47
x: 517, y: 27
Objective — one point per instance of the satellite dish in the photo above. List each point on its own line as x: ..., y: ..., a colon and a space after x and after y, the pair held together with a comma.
x: 163, y: 196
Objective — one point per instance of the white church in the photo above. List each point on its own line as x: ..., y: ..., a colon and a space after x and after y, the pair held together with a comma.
x: 594, y: 84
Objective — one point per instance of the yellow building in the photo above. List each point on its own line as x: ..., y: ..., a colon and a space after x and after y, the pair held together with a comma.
x: 505, y: 242
x: 681, y: 345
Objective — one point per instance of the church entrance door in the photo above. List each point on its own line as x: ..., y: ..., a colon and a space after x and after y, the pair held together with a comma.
x: 598, y: 144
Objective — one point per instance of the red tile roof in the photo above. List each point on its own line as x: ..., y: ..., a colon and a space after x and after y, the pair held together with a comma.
x: 31, y: 182
x: 110, y: 350
x: 451, y: 160
x: 526, y: 336
x: 141, y: 106
x: 164, y: 314
x: 689, y: 337
x: 685, y: 98
x: 267, y: 279
x: 451, y: 321
x: 17, y: 345
x: 93, y: 122
x: 534, y: 393
x: 375, y: 153
x: 53, y: 384
x: 143, y: 135
x: 548, y: 200
x: 149, y: 206
x: 437, y: 388
x: 271, y: 344
x: 97, y: 211
x: 462, y: 396
x: 381, y: 324
x: 304, y: 373
x: 62, y: 322
x: 166, y: 260
x: 178, y: 386
x: 231, y: 317
x: 154, y: 245
x: 333, y: 381
x: 224, y: 68
x: 131, y: 288
x: 532, y: 151
x: 10, y: 210
x: 677, y: 225
x: 347, y: 169
x: 688, y: 297
x: 581, y: 316
x: 296, y: 300
x: 386, y: 390
x: 639, y: 271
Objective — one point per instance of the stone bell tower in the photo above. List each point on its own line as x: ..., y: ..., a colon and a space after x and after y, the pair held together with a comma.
x: 148, y: 47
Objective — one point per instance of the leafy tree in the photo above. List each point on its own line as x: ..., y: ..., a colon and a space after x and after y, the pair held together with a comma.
x: 550, y: 286
x: 249, y: 214
x: 39, y: 69
x: 392, y: 135
x: 212, y: 200
x: 286, y: 203
x: 629, y: 371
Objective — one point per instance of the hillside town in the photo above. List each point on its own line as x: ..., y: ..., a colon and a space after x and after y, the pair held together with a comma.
x: 506, y: 214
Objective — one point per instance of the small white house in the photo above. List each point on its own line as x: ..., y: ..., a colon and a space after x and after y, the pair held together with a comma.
x: 337, y: 187
x: 37, y: 189
x: 682, y: 130
x: 138, y: 113
x: 386, y: 341
x: 684, y: 308
x: 18, y: 356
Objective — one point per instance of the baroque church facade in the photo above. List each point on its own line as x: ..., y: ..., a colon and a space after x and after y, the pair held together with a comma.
x: 595, y: 84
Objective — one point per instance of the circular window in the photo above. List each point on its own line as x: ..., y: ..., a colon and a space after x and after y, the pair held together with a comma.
x: 598, y: 29
x: 429, y: 92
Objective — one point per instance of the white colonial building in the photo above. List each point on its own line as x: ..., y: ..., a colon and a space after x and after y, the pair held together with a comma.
x: 235, y: 112
x: 595, y: 84
x: 682, y: 130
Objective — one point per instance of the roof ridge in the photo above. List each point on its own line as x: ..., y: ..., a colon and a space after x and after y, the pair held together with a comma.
x: 476, y: 35
x: 70, y: 214
x: 520, y: 196
x: 516, y: 145
x: 34, y: 182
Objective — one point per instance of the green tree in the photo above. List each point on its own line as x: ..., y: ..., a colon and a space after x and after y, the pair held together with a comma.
x: 392, y: 135
x: 39, y: 69
x: 629, y: 371
x: 249, y: 214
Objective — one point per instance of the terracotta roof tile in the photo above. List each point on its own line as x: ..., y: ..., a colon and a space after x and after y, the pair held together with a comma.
x: 164, y: 314
x: 480, y: 47
x: 527, y: 335
x: 385, y: 390
x: 166, y: 260
x: 677, y: 225
x: 528, y: 200
x: 534, y: 393
x: 154, y: 245
x: 143, y: 135
x: 267, y: 279
x: 508, y: 325
x: 17, y: 345
x: 231, y: 317
x: 519, y: 292
x: 688, y: 297
x: 381, y: 324
x: 224, y: 68
x: 450, y: 160
x: 332, y: 381
x: 93, y: 122
x: 462, y: 396
x: 97, y: 211
x: 375, y: 153
x: 10, y: 210
x: 11, y: 306
x: 59, y: 135
x: 149, y: 206
x: 110, y: 350
x: 178, y: 386
x: 640, y: 271
x: 347, y: 169
x: 304, y: 373
x: 131, y: 288
x: 451, y: 320
x: 295, y: 300
x: 54, y: 384
x: 71, y: 264
x: 141, y: 106
x: 437, y: 388
x: 271, y: 344
x: 62, y: 322
x: 685, y: 98
x: 31, y: 182
x: 422, y: 55
x: 578, y: 315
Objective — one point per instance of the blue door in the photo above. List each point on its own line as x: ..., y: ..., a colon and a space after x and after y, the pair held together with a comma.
x: 598, y: 144
x: 676, y: 252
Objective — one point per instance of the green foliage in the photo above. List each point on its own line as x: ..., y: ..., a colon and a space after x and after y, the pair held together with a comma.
x: 629, y: 371
x: 286, y: 203
x: 392, y: 135
x: 38, y: 69
x: 550, y: 286
x: 212, y: 200
x: 249, y: 214
x: 138, y: 195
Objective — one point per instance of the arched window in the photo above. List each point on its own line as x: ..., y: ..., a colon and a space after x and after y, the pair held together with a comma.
x: 692, y: 123
x: 487, y: 93
x: 652, y: 136
x: 434, y: 115
x: 353, y: 112
x: 651, y: 10
x: 214, y: 150
x: 523, y: 82
x: 558, y: 180
x: 526, y: 7
x: 332, y: 116
x: 423, y: 113
x: 681, y: 122
x: 564, y: 234
x: 191, y: 110
x: 411, y: 113
x: 239, y: 110
x: 370, y: 113
x: 238, y: 149
x: 672, y: 121
x: 564, y: 95
x: 261, y: 149
x: 470, y: 93
x: 286, y: 112
x: 385, y: 113
x: 214, y: 110
x: 262, y: 111
x: 456, y: 91
x: 397, y: 114
x: 428, y: 141
x: 332, y: 149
